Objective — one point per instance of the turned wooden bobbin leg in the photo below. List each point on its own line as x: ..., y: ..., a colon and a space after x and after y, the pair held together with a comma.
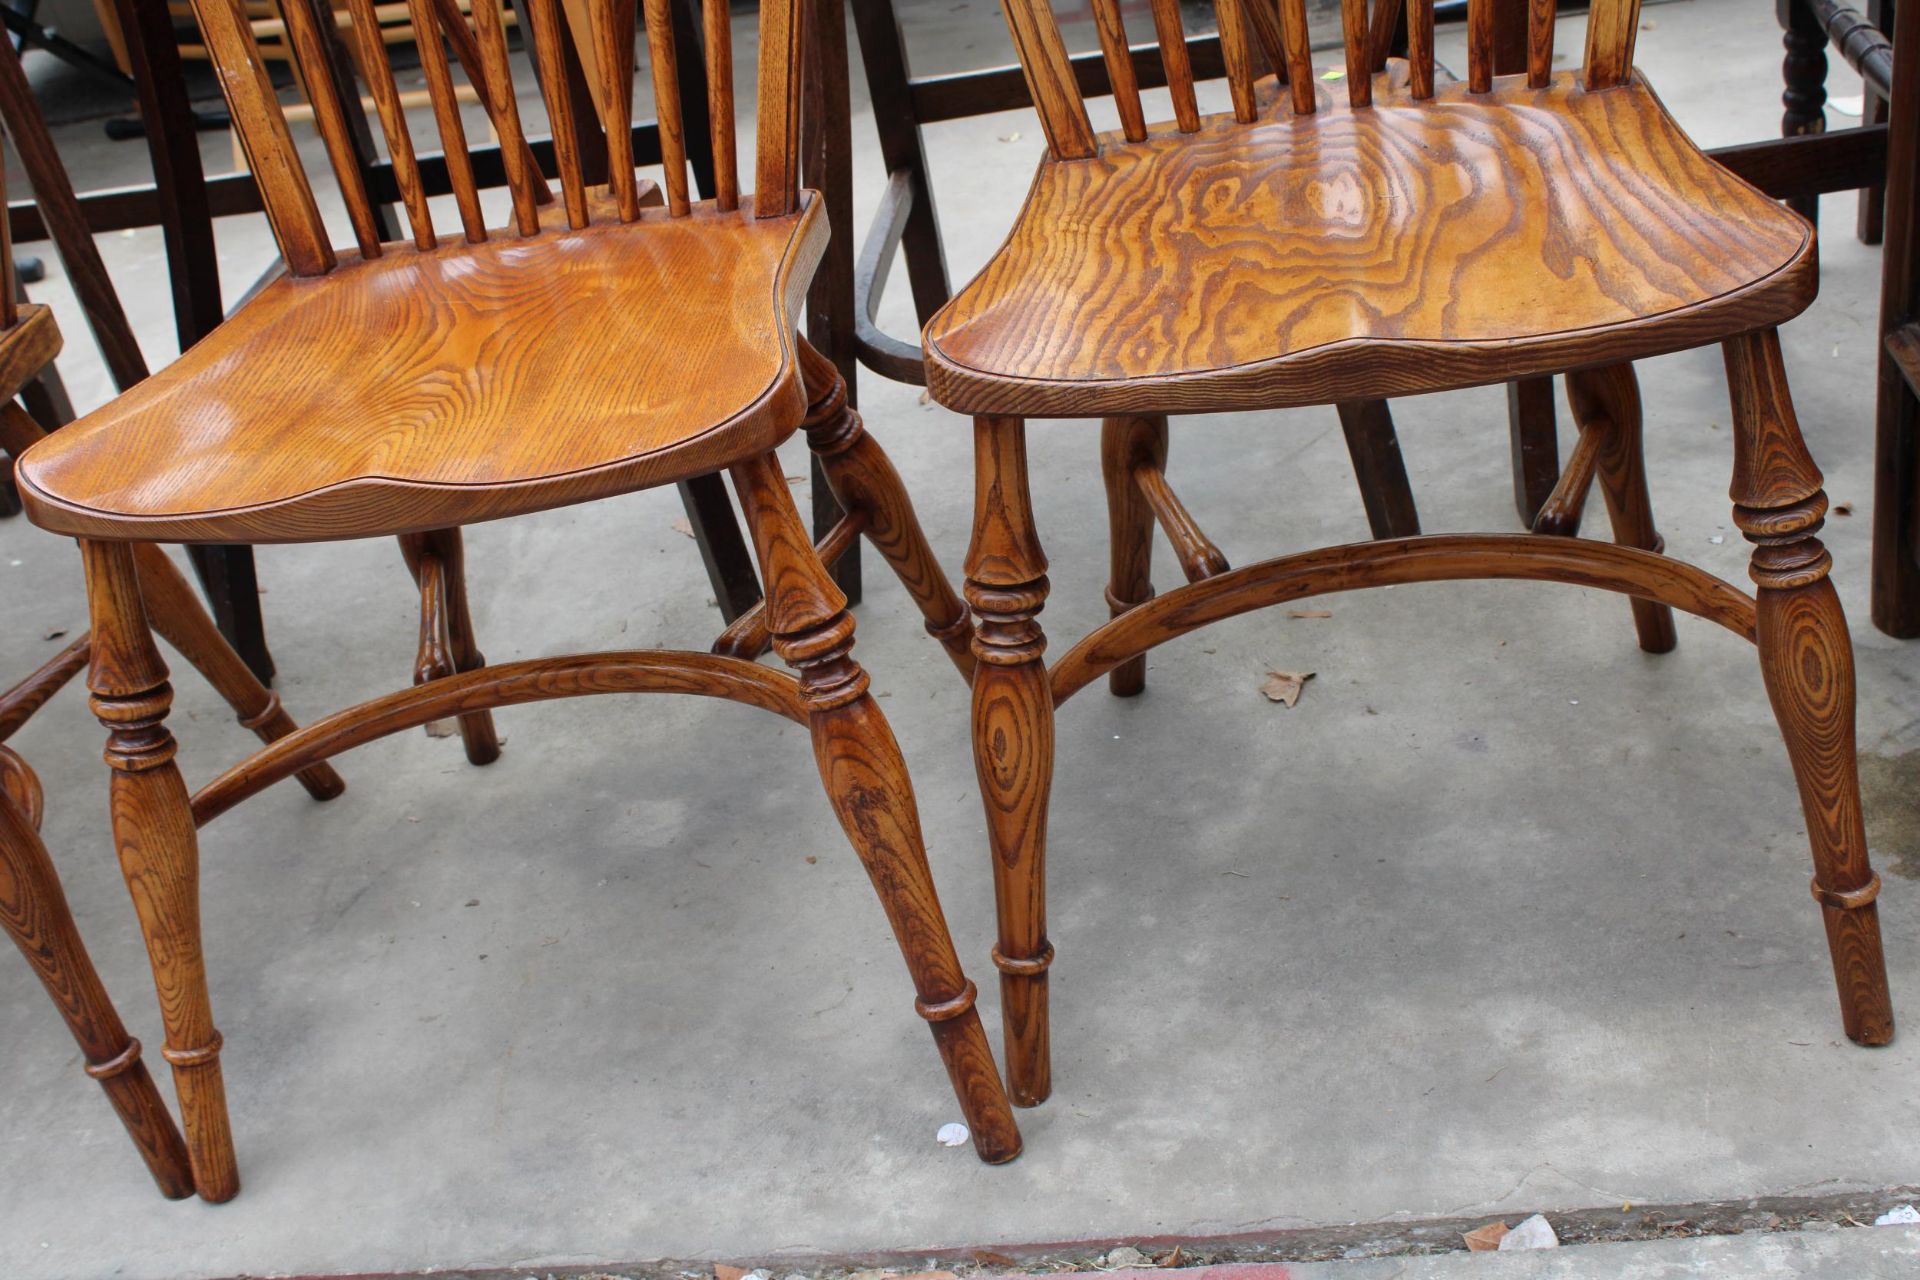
x: 1806, y: 658
x: 863, y: 479
x: 1013, y: 738
x: 1126, y: 444
x: 866, y: 781
x: 153, y: 831
x: 1606, y: 401
x: 33, y: 910
x: 437, y: 559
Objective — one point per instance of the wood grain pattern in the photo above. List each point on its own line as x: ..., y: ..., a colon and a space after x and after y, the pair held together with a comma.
x: 1394, y: 562
x: 370, y: 404
x: 1349, y: 258
x: 154, y: 834
x: 1806, y: 659
x: 866, y: 780
x: 1606, y: 402
x: 1013, y: 739
x: 34, y: 913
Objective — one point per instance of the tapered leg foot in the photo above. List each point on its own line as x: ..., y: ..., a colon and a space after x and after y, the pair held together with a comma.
x: 1607, y: 401
x: 437, y: 560
x: 867, y: 486
x: 33, y: 910
x: 1013, y: 739
x: 866, y: 781
x: 1125, y: 445
x: 1806, y: 659
x: 153, y: 831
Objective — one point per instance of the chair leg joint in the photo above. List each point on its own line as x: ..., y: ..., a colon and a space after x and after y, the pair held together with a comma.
x: 947, y: 1010
x: 1027, y: 967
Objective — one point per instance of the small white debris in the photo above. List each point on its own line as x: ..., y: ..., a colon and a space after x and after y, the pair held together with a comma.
x: 1717, y: 539
x: 1124, y: 1256
x: 1533, y: 1233
x: 952, y: 1135
x: 1900, y: 1215
x: 1573, y: 702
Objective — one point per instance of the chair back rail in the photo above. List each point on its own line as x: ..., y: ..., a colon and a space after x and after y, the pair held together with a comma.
x: 1277, y: 29
x: 479, y: 48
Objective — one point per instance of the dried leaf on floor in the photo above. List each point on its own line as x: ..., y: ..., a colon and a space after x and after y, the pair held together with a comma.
x: 1843, y: 508
x: 721, y: 1271
x: 1172, y: 1259
x: 681, y: 526
x: 1285, y: 686
x: 988, y: 1258
x: 1485, y: 1239
x: 1309, y: 613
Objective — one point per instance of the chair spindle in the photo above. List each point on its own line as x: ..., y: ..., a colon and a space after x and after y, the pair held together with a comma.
x: 1293, y: 15
x: 310, y: 49
x: 776, y: 182
x: 543, y: 16
x: 262, y: 126
x: 1420, y: 48
x: 1381, y: 26
x: 1479, y: 45
x: 1236, y: 50
x: 9, y: 306
x: 666, y: 103
x: 612, y: 22
x: 1264, y: 16
x: 393, y: 120
x: 1611, y: 26
x: 1119, y: 59
x: 1043, y: 60
x: 1540, y: 15
x: 524, y: 180
x: 446, y: 117
x: 718, y: 23
x: 1353, y: 35
x: 1173, y: 57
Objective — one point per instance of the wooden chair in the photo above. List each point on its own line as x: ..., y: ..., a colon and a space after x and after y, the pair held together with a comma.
x: 595, y: 347
x: 1380, y: 236
x: 33, y: 908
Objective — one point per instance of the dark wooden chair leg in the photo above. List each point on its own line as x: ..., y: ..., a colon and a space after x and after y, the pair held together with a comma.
x: 1896, y: 467
x: 1535, y: 441
x: 437, y: 559
x: 153, y: 830
x: 1607, y: 400
x: 1126, y: 443
x: 1013, y: 738
x: 33, y: 910
x: 1806, y: 658
x: 1804, y: 76
x: 1378, y: 466
x: 866, y: 486
x: 176, y: 614
x: 866, y: 781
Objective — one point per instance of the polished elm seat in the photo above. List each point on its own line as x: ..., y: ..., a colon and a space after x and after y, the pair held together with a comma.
x: 1467, y: 237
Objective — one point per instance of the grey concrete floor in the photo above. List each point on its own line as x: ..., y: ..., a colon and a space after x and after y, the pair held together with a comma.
x: 1505, y: 916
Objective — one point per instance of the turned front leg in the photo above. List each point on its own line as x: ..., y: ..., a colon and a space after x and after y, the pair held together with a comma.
x: 864, y: 481
x: 33, y: 911
x: 1606, y: 402
x: 153, y: 831
x: 1013, y: 738
x: 437, y: 559
x: 866, y: 781
x: 1806, y: 658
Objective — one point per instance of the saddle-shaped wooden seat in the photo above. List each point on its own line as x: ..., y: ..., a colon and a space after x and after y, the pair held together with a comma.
x: 1463, y: 238
x: 413, y: 391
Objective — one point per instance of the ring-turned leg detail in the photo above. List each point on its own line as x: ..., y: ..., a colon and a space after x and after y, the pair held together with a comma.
x: 1013, y: 739
x: 866, y: 781
x: 437, y: 559
x: 1806, y: 658
x: 864, y: 481
x: 153, y: 831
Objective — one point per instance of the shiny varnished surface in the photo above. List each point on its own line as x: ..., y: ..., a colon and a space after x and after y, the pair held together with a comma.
x: 1465, y: 238
x: 422, y: 390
